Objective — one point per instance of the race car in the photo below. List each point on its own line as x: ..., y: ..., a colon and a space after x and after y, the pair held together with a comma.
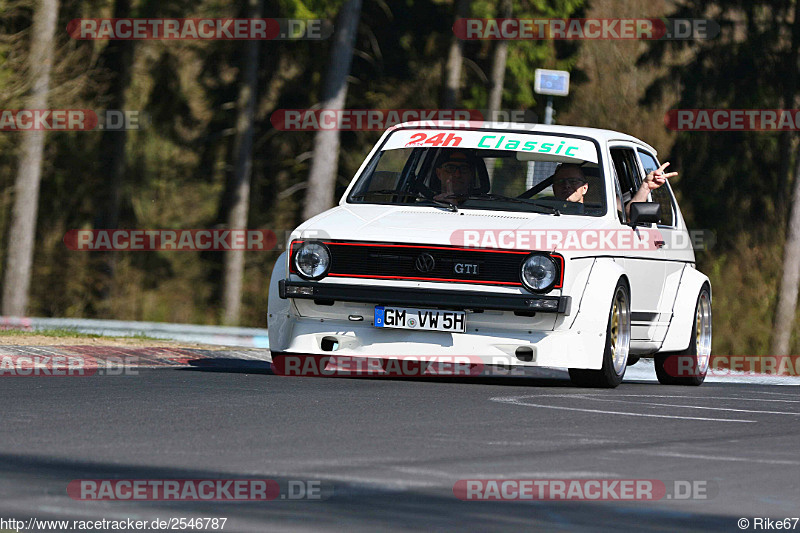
x: 515, y: 245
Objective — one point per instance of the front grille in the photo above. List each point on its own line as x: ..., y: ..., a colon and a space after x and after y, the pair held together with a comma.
x: 399, y: 261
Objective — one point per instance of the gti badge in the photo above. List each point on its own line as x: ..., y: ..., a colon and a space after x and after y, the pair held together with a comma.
x: 465, y: 268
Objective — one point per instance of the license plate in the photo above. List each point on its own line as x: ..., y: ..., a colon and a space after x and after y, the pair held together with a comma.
x: 424, y: 319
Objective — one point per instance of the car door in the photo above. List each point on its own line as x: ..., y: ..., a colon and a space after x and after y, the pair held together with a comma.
x: 677, y: 249
x: 645, y: 266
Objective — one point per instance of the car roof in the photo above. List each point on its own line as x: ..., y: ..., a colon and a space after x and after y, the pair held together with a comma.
x: 595, y: 133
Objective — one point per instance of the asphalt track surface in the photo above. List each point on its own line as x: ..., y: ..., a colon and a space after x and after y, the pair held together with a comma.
x: 387, y: 452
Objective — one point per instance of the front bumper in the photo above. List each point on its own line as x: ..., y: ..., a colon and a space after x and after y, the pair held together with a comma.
x: 335, y: 337
x: 495, y: 336
x: 413, y: 297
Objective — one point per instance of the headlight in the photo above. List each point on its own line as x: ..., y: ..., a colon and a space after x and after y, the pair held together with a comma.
x: 539, y: 272
x: 312, y: 260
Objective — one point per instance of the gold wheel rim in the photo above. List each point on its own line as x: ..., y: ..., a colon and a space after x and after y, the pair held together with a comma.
x: 620, y: 331
x: 703, y: 332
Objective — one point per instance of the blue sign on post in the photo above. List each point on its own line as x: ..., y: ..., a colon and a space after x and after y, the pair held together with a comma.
x: 554, y: 82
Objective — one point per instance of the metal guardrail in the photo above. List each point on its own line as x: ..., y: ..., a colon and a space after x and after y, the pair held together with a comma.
x: 258, y: 338
x: 216, y: 335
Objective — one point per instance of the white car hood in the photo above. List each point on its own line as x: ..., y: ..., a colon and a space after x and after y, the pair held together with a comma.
x: 428, y: 225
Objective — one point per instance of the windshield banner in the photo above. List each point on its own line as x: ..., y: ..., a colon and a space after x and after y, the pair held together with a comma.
x: 494, y: 140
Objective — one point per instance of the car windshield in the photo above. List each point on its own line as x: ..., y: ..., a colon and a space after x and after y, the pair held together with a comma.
x: 505, y: 171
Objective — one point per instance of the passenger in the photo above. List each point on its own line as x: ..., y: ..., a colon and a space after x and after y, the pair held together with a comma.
x: 570, y: 183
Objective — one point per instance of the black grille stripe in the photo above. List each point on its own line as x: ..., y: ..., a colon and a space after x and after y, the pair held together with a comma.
x: 397, y: 261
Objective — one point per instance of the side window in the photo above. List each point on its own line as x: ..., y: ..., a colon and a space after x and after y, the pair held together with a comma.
x: 627, y: 171
x: 662, y: 195
x: 387, y: 172
x: 618, y: 200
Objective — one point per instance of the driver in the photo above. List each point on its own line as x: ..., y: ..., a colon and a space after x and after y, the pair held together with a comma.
x: 456, y: 172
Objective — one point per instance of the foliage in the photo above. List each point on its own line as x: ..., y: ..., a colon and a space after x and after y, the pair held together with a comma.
x: 176, y: 165
x: 56, y: 332
x: 732, y: 179
x: 524, y: 56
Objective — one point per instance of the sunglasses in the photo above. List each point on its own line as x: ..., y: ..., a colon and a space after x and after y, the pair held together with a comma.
x: 570, y: 182
x: 464, y: 168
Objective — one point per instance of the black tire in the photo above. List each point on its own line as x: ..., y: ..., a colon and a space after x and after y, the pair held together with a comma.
x: 277, y: 361
x: 668, y: 364
x: 618, y: 341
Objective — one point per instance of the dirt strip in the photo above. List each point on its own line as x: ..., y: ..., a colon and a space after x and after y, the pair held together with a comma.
x: 122, y: 358
x: 119, y: 342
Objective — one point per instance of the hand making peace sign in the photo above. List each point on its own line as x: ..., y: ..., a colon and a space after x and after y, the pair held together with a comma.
x: 657, y: 178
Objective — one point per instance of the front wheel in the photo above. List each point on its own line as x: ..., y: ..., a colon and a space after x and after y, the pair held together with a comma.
x: 618, y: 343
x: 690, y: 366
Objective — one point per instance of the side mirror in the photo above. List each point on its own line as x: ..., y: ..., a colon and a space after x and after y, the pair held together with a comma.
x: 645, y: 213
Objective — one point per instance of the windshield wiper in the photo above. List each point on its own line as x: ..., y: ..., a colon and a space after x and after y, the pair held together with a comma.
x: 489, y: 196
x: 394, y: 192
x: 550, y: 208
x: 449, y: 205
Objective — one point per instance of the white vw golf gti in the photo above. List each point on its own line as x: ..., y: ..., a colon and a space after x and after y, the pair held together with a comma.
x: 509, y: 245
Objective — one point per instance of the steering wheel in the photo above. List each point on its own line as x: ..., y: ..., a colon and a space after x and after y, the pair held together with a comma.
x: 423, y: 189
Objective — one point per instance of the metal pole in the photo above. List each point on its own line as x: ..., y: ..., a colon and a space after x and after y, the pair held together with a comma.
x: 548, y: 119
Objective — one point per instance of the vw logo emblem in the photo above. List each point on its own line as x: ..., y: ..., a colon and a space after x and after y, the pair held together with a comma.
x: 425, y: 262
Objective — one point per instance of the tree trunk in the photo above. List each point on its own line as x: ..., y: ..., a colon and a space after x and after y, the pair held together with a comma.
x: 790, y: 282
x: 498, y: 76
x: 117, y: 61
x: 455, y: 58
x: 787, y: 291
x: 324, y: 166
x: 499, y: 65
x: 22, y: 233
x: 233, y: 269
x: 787, y: 137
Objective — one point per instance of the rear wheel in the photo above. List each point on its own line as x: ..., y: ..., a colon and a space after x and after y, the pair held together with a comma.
x: 618, y: 343
x: 690, y: 366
